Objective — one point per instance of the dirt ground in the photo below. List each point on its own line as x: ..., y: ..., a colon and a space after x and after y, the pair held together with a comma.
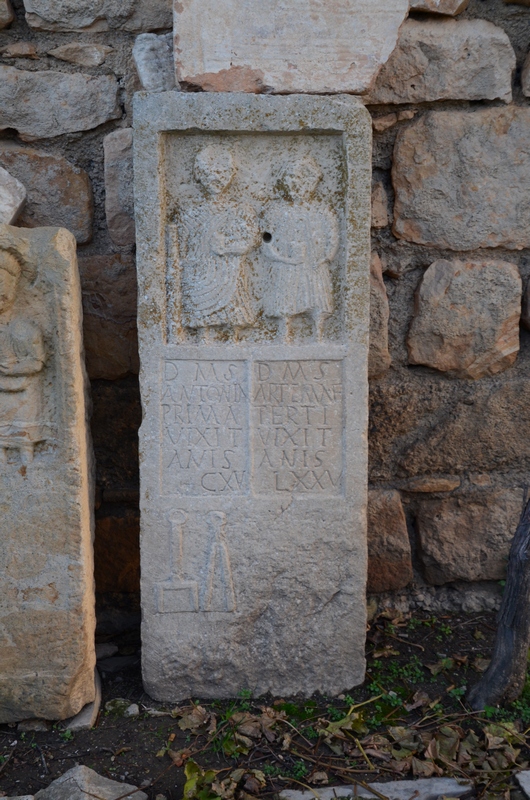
x: 408, y: 719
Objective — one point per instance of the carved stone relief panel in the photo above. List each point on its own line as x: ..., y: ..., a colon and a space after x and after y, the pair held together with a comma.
x: 46, y: 583
x: 253, y: 234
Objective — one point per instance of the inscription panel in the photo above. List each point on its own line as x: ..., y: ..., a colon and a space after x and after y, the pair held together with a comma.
x: 204, y: 428
x: 297, y: 423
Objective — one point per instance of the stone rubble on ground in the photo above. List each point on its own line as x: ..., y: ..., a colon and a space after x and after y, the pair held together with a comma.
x: 449, y: 7
x: 58, y: 192
x: 33, y: 726
x: 523, y: 779
x: 82, y: 53
x: 454, y: 182
x: 119, y: 194
x: 378, y: 356
x: 81, y: 782
x: 153, y: 58
x: 47, y: 608
x: 468, y: 537
x: 6, y: 14
x: 421, y: 789
x: 86, y: 719
x: 300, y: 46
x: 389, y: 553
x: 446, y: 59
x: 466, y: 318
x: 104, y: 15
x: 12, y: 197
x: 55, y: 102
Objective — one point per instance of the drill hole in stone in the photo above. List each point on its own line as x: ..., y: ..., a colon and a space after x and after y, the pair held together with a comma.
x: 267, y: 237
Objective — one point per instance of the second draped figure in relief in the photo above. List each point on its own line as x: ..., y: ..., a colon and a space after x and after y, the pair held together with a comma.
x: 294, y: 239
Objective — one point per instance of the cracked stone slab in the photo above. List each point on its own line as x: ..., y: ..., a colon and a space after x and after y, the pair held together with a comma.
x: 253, y: 527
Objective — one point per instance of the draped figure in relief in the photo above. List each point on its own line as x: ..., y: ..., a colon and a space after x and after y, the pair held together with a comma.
x: 218, y: 235
x: 300, y: 240
x: 22, y: 359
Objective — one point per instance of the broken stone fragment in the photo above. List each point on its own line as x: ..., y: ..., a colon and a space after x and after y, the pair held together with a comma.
x: 378, y: 356
x: 153, y: 57
x: 453, y: 179
x: 447, y: 59
x: 468, y: 538
x: 12, y: 197
x: 55, y: 102
x: 59, y: 193
x: 81, y: 782
x: 389, y: 554
x: 431, y: 483
x: 20, y: 50
x: 86, y: 55
x: 379, y: 205
x: 449, y: 7
x: 466, y: 318
x: 104, y: 15
x: 6, y: 14
x: 119, y: 192
x: 300, y: 46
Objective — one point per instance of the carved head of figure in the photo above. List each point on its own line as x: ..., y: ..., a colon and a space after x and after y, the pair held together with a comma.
x: 10, y: 270
x: 300, y: 178
x: 214, y: 168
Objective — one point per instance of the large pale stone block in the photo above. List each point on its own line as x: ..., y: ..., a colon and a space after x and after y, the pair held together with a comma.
x: 119, y: 194
x: 453, y: 175
x: 446, y: 59
x: 98, y: 15
x: 300, y: 46
x: 468, y: 537
x: 466, y: 318
x: 59, y: 193
x: 46, y: 581
x: 253, y: 217
x: 12, y: 197
x: 55, y: 102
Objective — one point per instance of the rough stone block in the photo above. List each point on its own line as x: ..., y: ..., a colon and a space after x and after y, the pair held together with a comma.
x: 466, y: 318
x: 46, y: 582
x: 378, y: 358
x: 389, y: 554
x: 449, y: 7
x: 84, y: 54
x: 20, y: 50
x: 453, y: 175
x: 59, y: 193
x: 153, y: 58
x: 6, y: 14
x: 55, y: 102
x: 119, y: 192
x: 468, y: 538
x: 446, y: 59
x: 300, y: 46
x: 81, y: 782
x: 380, y: 211
x: 12, y: 197
x: 109, y: 315
x: 254, y: 389
x: 103, y: 15
x: 525, y: 77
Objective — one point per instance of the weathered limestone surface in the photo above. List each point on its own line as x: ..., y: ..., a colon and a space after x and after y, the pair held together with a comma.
x: 59, y: 193
x: 55, y: 102
x: 109, y: 315
x: 454, y: 180
x: 468, y: 538
x: 12, y: 197
x: 378, y: 358
x: 119, y: 193
x: 389, y: 555
x: 446, y: 59
x: 98, y: 15
x: 525, y: 76
x: 449, y: 7
x: 466, y: 318
x: 82, y: 53
x: 46, y: 581
x: 301, y: 46
x: 82, y: 782
x: 6, y: 13
x: 153, y: 57
x: 253, y: 527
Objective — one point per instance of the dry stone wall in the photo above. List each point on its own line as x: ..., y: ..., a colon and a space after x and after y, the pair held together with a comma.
x: 451, y: 187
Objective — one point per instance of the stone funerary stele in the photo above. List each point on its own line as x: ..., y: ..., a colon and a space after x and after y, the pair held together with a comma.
x: 47, y: 622
x: 253, y: 217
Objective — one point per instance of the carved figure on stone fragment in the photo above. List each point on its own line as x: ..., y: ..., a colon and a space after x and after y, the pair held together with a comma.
x: 218, y: 235
x: 22, y: 360
x: 300, y: 240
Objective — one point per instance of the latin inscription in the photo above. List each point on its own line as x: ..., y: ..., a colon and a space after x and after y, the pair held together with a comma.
x: 296, y: 418
x: 205, y: 428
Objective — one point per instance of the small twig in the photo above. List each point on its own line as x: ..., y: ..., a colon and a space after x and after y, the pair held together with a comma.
x: 292, y: 780
x: 361, y: 748
x: 43, y: 760
x: 405, y: 641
